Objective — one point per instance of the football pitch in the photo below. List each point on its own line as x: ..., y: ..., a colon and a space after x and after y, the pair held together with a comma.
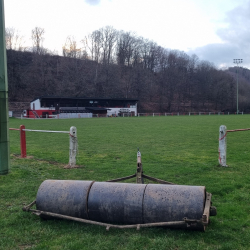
x: 178, y: 149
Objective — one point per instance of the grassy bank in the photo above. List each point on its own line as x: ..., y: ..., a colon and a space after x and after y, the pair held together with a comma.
x: 182, y: 150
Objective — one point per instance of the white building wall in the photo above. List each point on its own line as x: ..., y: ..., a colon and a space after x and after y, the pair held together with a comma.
x: 75, y: 115
x: 35, y: 105
x: 116, y: 111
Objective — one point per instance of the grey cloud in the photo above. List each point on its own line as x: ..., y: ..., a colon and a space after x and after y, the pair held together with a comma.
x: 221, y: 55
x: 93, y: 2
x: 237, y: 31
x: 235, y: 38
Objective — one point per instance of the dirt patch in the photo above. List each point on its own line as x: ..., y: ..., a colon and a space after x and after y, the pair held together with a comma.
x: 76, y: 166
x: 61, y: 165
x: 55, y: 163
x: 19, y: 156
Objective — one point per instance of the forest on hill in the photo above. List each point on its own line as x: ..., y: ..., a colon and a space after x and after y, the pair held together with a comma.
x: 118, y: 64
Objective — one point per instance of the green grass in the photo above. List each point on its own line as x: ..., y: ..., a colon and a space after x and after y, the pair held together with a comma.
x: 182, y: 150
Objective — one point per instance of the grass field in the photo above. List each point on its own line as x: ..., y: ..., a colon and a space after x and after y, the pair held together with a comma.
x: 179, y: 149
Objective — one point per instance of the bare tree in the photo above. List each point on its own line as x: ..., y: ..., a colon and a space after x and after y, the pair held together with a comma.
x: 108, y: 40
x: 93, y: 43
x: 14, y: 40
x: 126, y: 45
x: 37, y: 37
x: 71, y: 49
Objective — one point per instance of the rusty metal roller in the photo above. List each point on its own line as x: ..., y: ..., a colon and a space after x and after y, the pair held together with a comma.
x: 64, y: 197
x: 136, y: 204
x: 173, y: 202
x: 121, y: 202
x: 116, y: 202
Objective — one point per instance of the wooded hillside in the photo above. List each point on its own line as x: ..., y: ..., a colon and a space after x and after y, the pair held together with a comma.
x: 121, y: 65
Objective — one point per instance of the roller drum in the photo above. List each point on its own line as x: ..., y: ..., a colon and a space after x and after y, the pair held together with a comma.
x: 64, y: 197
x: 163, y: 203
x: 121, y: 203
x: 116, y: 202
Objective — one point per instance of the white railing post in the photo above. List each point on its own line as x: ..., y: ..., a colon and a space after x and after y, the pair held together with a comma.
x: 72, y: 146
x: 223, y: 146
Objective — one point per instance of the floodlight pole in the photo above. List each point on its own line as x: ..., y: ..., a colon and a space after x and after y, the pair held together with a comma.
x: 4, y: 114
x: 237, y: 61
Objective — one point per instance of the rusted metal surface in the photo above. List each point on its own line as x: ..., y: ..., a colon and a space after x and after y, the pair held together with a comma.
x: 209, y: 210
x: 206, y: 213
x: 194, y: 224
x: 213, y: 211
x: 140, y: 175
x: 107, y: 225
x: 236, y: 130
x: 157, y: 180
x: 139, y: 171
x: 122, y: 178
x: 27, y: 208
x: 64, y: 197
x: 116, y: 202
x: 186, y: 223
x: 173, y: 202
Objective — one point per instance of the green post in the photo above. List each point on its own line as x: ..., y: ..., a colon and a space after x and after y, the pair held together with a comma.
x: 4, y: 113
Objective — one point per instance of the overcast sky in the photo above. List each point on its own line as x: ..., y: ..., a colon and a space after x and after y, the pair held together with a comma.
x: 215, y: 30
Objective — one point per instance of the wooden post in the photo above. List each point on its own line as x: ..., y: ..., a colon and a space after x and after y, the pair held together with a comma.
x: 23, y: 141
x: 72, y: 146
x: 223, y: 146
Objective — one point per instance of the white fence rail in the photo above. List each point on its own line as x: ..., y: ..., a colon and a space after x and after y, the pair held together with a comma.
x: 73, y: 143
x: 90, y: 115
x: 186, y: 113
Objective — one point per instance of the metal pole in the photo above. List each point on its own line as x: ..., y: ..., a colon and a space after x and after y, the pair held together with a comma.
x: 4, y: 113
x: 237, y: 91
x: 237, y: 61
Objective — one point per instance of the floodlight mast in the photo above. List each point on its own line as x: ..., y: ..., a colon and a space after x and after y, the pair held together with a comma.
x: 237, y: 61
x: 4, y: 114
